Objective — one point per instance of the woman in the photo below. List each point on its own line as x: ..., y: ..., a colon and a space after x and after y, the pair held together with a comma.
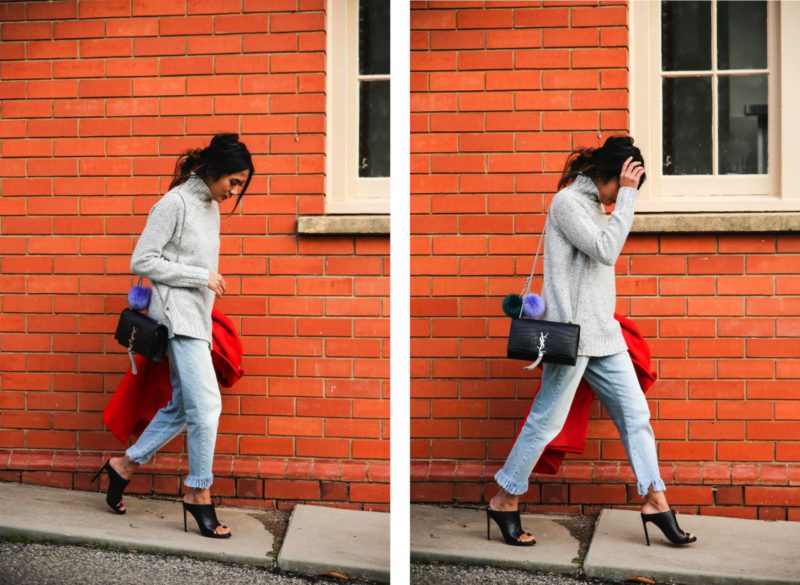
x: 179, y: 252
x: 582, y: 245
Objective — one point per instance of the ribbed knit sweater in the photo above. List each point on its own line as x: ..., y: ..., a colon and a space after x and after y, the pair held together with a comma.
x: 581, y: 246
x: 181, y: 299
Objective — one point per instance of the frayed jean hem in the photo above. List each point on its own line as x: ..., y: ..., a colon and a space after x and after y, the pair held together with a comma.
x: 505, y: 482
x: 141, y: 459
x: 201, y: 483
x: 644, y: 486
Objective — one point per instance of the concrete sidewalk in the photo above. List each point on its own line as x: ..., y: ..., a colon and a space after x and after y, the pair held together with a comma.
x: 728, y: 550
x: 345, y: 541
x: 156, y: 526
x: 458, y: 535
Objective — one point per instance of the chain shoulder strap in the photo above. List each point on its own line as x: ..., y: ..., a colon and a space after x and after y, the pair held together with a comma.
x: 178, y: 259
x: 527, y: 288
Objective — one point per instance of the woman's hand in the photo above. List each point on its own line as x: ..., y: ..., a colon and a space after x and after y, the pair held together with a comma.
x: 216, y: 282
x: 631, y: 174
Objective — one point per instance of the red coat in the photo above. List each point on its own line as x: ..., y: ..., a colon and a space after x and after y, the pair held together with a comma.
x: 572, y: 437
x: 139, y: 397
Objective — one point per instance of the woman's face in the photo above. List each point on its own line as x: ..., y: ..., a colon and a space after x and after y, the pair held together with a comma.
x: 228, y: 186
x: 608, y: 191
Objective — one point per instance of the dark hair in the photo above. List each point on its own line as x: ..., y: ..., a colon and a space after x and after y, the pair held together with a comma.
x: 224, y: 156
x: 604, y: 163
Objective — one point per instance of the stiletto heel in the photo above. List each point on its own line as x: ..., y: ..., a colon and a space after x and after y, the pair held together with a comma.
x: 488, y: 526
x: 510, y: 525
x: 116, y: 487
x: 667, y: 522
x: 206, y: 519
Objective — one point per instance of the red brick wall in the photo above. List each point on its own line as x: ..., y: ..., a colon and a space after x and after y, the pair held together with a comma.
x: 98, y: 98
x: 500, y: 94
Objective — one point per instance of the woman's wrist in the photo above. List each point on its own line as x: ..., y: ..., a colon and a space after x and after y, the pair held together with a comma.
x: 626, y: 199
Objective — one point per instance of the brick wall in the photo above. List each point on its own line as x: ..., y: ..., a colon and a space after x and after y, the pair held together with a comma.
x: 98, y: 98
x: 501, y: 92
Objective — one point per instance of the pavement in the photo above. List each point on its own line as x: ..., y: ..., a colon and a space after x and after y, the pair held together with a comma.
x: 322, y: 540
x: 156, y: 526
x: 329, y: 539
x: 727, y: 551
x: 458, y: 535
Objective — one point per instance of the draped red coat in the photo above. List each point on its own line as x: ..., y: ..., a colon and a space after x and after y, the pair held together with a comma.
x: 138, y: 398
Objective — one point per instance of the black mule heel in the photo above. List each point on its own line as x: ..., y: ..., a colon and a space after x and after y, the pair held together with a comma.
x: 668, y: 523
x: 116, y: 487
x: 510, y: 525
x: 206, y: 518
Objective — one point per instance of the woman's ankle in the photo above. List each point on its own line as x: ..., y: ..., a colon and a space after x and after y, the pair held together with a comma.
x: 656, y: 500
x: 503, y: 500
x: 198, y: 496
x: 124, y: 466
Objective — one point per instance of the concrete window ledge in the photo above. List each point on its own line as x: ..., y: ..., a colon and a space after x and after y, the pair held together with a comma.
x: 645, y: 223
x: 337, y: 225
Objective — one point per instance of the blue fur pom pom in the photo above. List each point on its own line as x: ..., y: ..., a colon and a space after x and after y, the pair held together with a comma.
x: 139, y: 298
x: 532, y: 306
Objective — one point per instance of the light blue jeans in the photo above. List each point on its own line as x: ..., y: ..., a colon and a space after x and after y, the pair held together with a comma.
x: 196, y: 404
x: 614, y: 381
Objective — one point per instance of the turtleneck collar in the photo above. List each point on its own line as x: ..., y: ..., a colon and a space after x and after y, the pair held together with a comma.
x: 197, y: 187
x: 584, y: 185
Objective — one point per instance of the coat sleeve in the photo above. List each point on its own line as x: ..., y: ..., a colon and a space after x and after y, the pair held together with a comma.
x: 602, y: 244
x: 148, y: 260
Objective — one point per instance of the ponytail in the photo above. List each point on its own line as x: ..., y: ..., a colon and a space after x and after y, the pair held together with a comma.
x: 581, y: 161
x: 224, y: 156
x: 189, y: 162
x: 603, y: 163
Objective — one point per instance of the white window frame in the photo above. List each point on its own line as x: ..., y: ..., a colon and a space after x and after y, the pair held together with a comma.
x: 347, y: 193
x: 727, y: 193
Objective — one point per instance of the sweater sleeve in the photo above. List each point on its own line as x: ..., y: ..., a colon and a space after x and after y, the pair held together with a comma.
x: 147, y: 259
x: 602, y: 244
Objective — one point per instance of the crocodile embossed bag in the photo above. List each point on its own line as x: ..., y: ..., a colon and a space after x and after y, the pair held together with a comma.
x: 539, y: 341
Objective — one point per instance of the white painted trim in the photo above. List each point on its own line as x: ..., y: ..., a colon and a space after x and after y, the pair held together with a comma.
x: 789, y: 64
x: 346, y: 192
x: 772, y: 192
x: 717, y: 203
x: 714, y: 100
x: 374, y: 207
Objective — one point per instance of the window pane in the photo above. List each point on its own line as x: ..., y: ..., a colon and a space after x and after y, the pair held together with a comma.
x: 686, y: 36
x: 743, y: 125
x: 373, y: 37
x: 374, y: 129
x: 742, y: 35
x: 687, y: 126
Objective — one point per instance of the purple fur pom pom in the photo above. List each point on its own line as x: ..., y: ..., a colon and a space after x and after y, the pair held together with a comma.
x: 139, y: 298
x: 532, y: 306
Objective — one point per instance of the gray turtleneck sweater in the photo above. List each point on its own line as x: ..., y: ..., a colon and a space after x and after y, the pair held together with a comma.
x: 581, y: 246
x: 181, y: 298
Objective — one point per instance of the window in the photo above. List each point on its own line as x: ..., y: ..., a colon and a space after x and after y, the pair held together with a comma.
x: 358, y: 107
x: 707, y: 82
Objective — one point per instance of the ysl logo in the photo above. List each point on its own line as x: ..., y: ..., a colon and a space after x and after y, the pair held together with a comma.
x: 130, y: 350
x: 130, y: 341
x: 542, y: 339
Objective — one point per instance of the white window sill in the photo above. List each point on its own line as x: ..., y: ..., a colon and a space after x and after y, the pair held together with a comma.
x: 336, y: 225
x: 644, y: 223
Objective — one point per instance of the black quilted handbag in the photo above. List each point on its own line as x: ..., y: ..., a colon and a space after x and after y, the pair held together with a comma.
x: 140, y: 334
x: 543, y: 341
x: 553, y: 342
